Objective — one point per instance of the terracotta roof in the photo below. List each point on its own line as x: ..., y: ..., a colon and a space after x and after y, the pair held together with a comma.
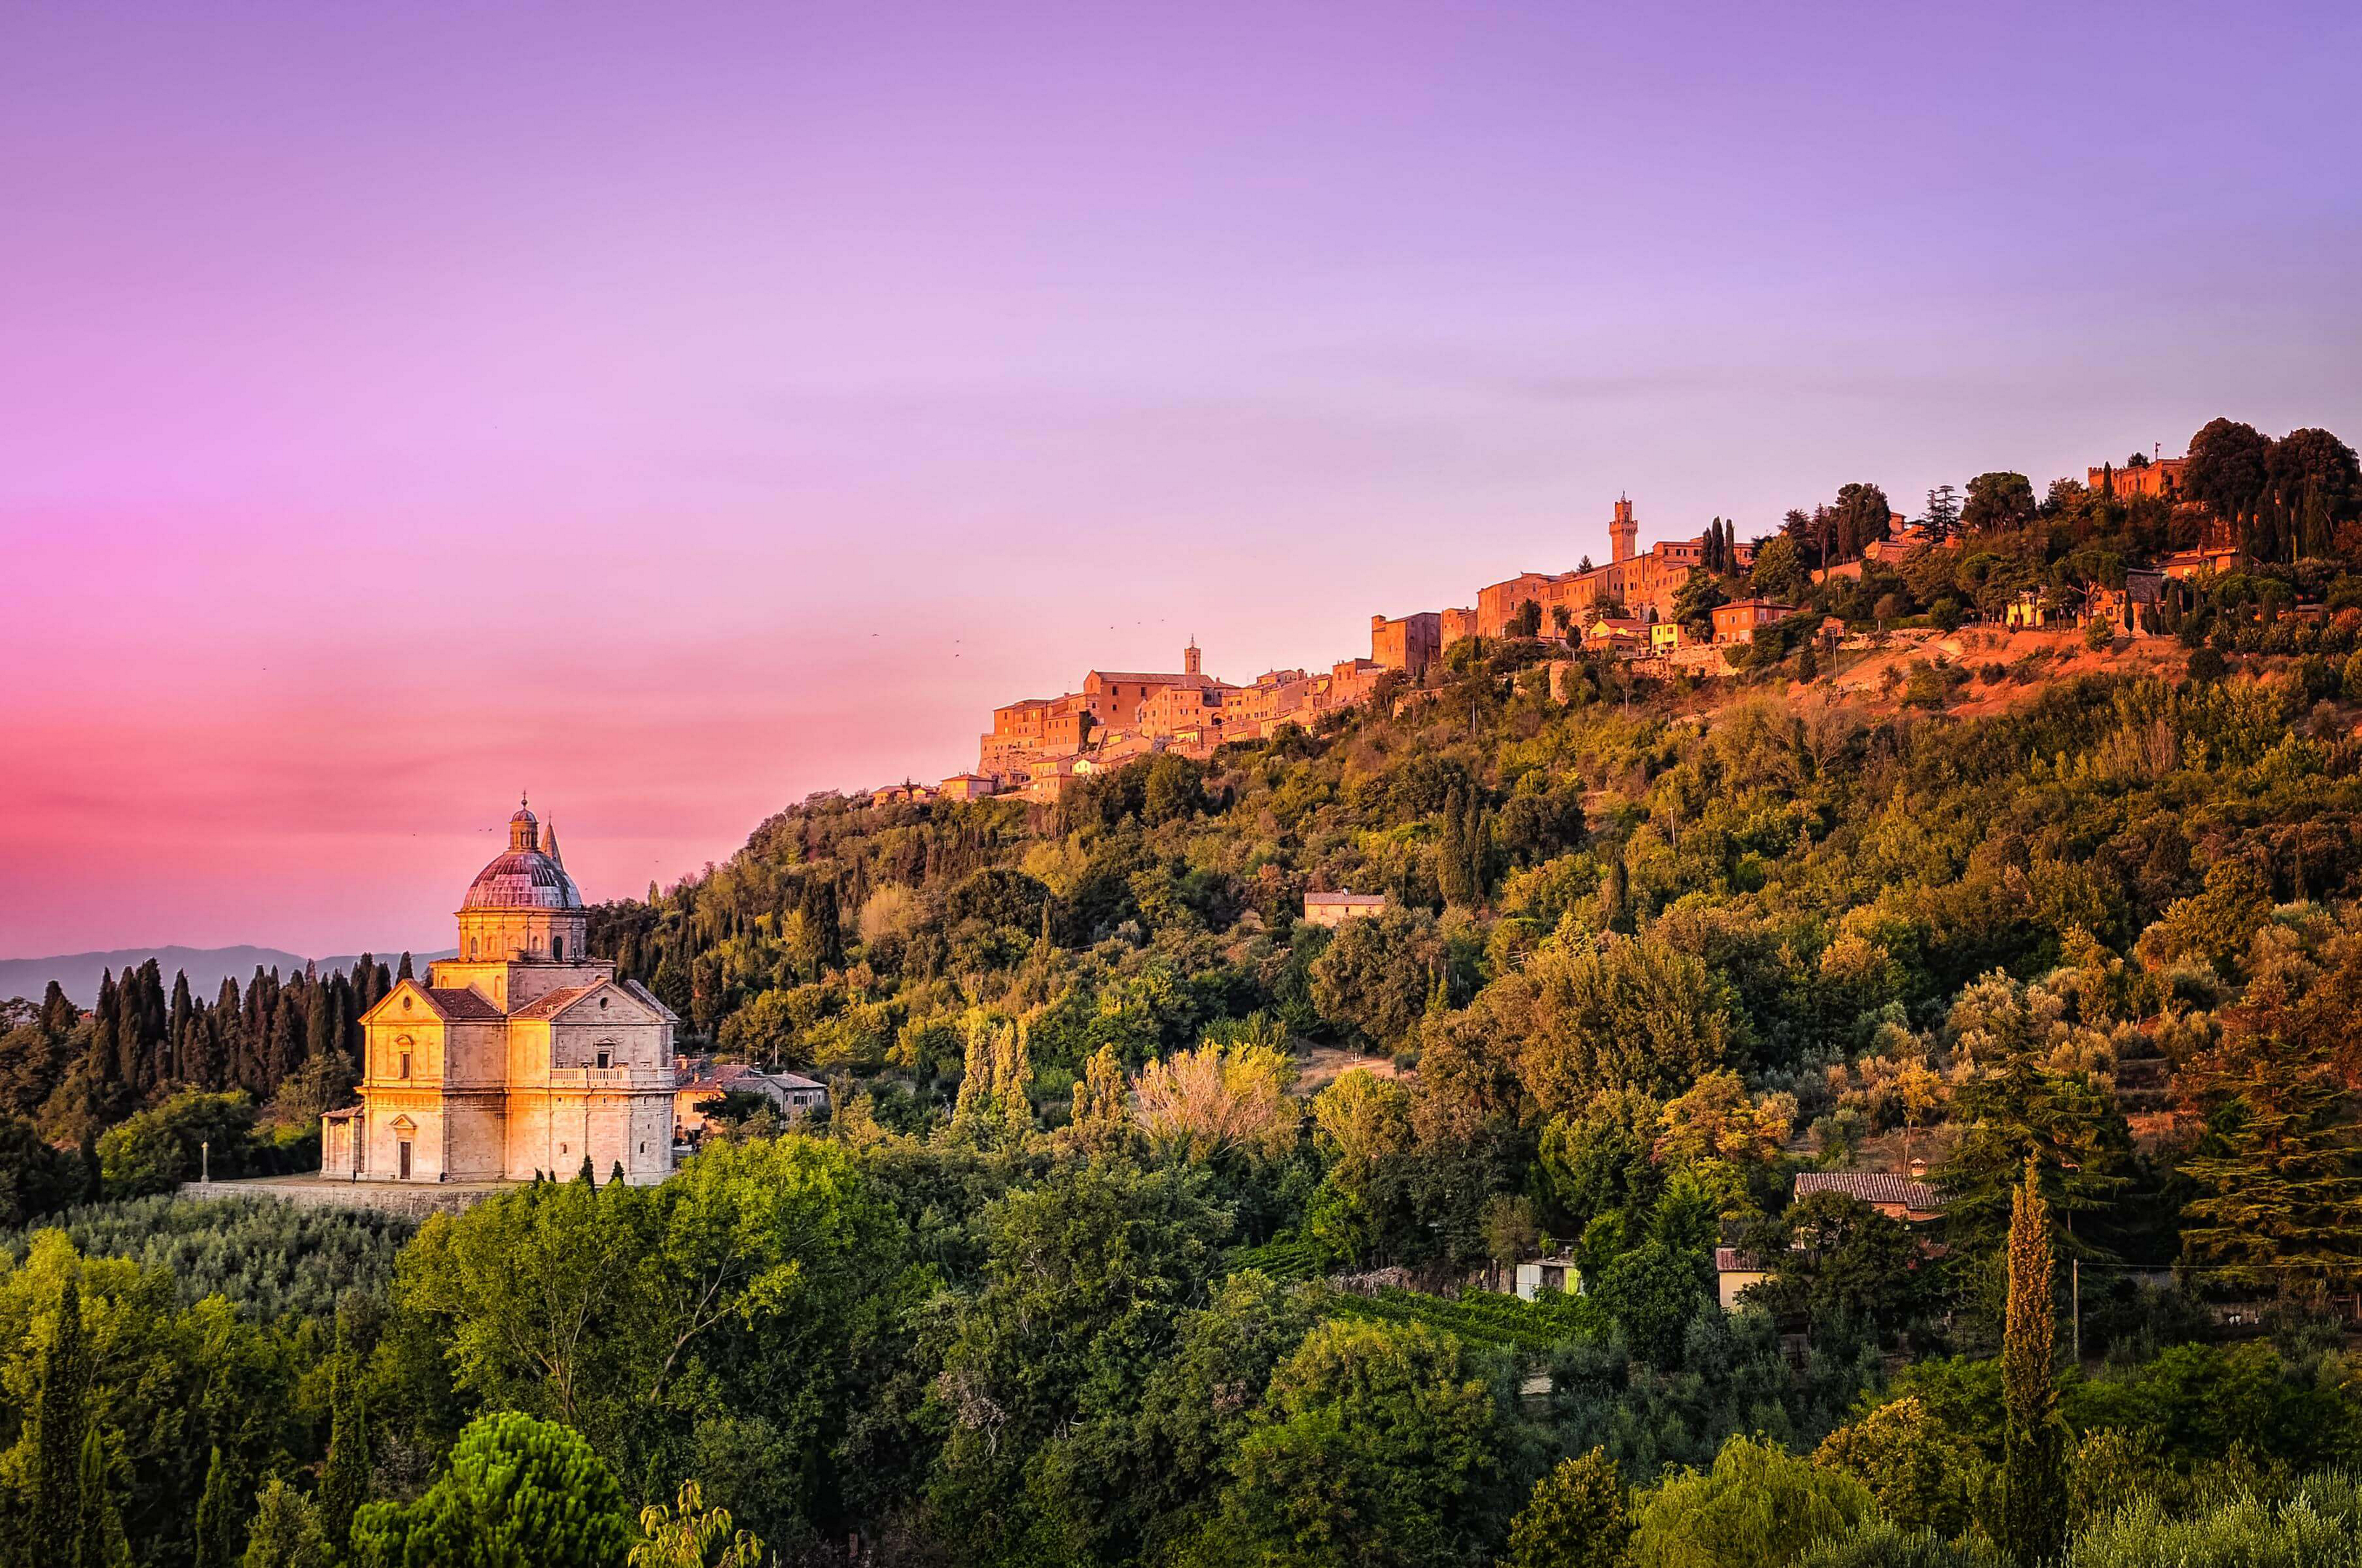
x: 1730, y: 1260
x: 1356, y: 900
x: 460, y: 1002
x: 549, y: 1004
x: 1870, y: 1187
x: 717, y: 1078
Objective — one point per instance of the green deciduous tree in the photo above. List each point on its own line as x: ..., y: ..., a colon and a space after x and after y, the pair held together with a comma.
x: 1377, y: 1444
x: 687, y: 1534
x: 1757, y: 1507
x: 286, y: 1531
x: 1576, y: 1518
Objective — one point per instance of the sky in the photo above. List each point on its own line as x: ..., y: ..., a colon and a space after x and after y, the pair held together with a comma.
x: 671, y: 409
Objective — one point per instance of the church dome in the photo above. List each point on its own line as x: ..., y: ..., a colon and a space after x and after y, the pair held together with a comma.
x: 521, y: 880
x: 526, y: 876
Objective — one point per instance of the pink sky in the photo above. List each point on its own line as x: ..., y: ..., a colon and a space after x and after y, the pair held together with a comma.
x: 675, y: 409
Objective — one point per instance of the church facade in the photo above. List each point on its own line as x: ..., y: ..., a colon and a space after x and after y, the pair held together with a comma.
x: 523, y: 1055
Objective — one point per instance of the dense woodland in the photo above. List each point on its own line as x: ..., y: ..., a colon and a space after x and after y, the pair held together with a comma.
x: 1098, y: 1258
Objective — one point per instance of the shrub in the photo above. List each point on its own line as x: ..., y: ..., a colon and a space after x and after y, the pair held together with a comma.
x: 1757, y: 1507
x: 157, y: 1150
x: 2320, y: 1527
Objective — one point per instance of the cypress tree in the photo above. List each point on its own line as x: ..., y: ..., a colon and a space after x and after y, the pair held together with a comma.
x: 98, y: 1539
x: 57, y: 1015
x: 286, y: 1045
x: 106, y: 1024
x: 586, y: 1175
x: 1452, y: 859
x: 183, y: 1023
x: 59, y: 1419
x: 615, y: 1177
x: 319, y: 1022
x: 215, y: 1524
x: 344, y: 1478
x: 2034, y: 1491
x: 402, y: 971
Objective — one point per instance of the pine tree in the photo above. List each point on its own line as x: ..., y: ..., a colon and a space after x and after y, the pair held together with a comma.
x: 344, y: 1477
x: 2034, y: 1491
x: 216, y: 1521
x: 60, y: 1416
x: 2281, y: 1194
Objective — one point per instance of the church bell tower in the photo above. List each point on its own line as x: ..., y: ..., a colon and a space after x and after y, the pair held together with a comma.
x: 1623, y: 533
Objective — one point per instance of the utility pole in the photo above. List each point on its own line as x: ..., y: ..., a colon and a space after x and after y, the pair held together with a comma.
x: 2075, y: 1296
x: 204, y: 1162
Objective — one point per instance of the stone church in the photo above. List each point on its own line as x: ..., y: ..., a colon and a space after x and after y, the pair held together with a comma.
x: 521, y: 1054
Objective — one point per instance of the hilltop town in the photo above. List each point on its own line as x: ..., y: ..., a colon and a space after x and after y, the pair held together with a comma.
x: 1692, y: 607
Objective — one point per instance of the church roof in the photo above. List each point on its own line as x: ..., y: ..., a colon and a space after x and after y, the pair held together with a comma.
x: 549, y: 1004
x: 452, y: 1004
x: 650, y: 998
x: 529, y: 874
x: 521, y: 880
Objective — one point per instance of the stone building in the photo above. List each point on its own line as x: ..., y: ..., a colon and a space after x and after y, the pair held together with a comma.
x: 521, y: 1054
x: 1333, y: 909
x: 1739, y: 620
x: 2160, y: 477
x: 1643, y: 582
x: 1410, y: 644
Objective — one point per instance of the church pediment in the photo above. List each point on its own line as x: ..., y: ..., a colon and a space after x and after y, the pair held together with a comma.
x: 601, y: 1002
x: 409, y: 1001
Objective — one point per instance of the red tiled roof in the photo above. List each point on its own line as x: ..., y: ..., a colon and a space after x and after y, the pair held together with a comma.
x: 1730, y: 1260
x: 549, y: 1004
x: 1871, y: 1187
x: 457, y: 1002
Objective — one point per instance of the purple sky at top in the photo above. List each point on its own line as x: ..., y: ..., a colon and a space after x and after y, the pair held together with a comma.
x: 675, y: 409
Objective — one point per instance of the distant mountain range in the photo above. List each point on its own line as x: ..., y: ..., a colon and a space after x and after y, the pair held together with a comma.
x: 206, y: 966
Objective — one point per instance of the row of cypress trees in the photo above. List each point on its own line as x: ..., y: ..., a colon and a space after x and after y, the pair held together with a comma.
x: 76, y: 1521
